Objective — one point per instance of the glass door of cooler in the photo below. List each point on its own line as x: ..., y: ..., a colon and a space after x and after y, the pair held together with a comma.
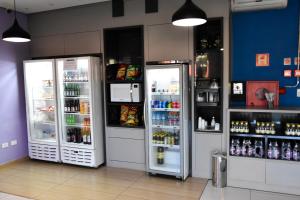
x: 41, y: 101
x: 164, y: 118
x: 75, y: 101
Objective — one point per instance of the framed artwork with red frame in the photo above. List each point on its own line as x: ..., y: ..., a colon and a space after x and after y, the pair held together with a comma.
x: 256, y: 92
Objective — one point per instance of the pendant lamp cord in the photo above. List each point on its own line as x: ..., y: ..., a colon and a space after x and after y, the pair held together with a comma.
x: 298, y: 59
x: 15, y: 9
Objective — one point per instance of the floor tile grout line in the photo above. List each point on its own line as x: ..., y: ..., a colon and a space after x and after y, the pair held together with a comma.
x: 126, y: 188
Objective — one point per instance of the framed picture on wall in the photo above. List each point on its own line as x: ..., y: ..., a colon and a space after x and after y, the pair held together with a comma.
x: 238, y: 91
x: 256, y: 93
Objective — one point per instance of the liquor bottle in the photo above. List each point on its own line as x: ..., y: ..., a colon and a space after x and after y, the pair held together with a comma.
x: 66, y: 106
x: 68, y: 135
x: 276, y: 152
x: 78, y: 105
x: 177, y: 138
x: 286, y: 151
x: 72, y: 106
x: 258, y: 149
x: 88, y: 136
x: 213, y: 123
x: 78, y: 90
x: 296, y: 152
x: 65, y: 90
x: 73, y: 135
x: 84, y: 136
x: 232, y: 148
x: 270, y: 151
x: 160, y: 155
x: 81, y: 107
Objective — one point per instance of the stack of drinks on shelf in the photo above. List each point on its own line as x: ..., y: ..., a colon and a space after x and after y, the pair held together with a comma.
x: 292, y: 129
x: 79, y: 135
x: 72, y: 106
x: 167, y: 138
x: 247, y: 149
x: 285, y: 152
x: 166, y: 118
x: 275, y: 150
x: 265, y: 128
x: 75, y: 106
x: 165, y: 104
x: 74, y: 76
x: 239, y: 127
x: 73, y: 119
x: 71, y: 90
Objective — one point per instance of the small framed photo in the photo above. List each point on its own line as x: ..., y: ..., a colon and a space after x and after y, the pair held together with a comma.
x: 297, y: 73
x: 287, y: 73
x: 238, y: 90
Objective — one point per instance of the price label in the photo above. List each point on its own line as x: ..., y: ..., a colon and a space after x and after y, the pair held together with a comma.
x: 70, y: 64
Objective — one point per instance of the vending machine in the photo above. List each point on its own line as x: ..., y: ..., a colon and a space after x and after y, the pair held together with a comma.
x: 167, y: 118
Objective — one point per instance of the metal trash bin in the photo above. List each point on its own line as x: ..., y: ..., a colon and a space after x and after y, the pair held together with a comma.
x: 219, y: 170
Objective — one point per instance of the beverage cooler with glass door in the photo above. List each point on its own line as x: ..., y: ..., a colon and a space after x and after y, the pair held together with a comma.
x: 79, y: 87
x: 41, y: 107
x: 167, y: 118
x: 78, y: 111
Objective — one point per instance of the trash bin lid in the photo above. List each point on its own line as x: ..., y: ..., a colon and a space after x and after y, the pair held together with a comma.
x: 219, y: 155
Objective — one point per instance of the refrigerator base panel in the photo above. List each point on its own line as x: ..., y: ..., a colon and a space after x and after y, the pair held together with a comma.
x: 82, y: 157
x: 44, y: 152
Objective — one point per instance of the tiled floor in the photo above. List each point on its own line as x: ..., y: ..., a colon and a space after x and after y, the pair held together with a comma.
x: 41, y: 180
x: 229, y: 193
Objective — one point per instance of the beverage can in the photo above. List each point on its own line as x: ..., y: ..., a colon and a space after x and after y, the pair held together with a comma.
x: 165, y: 104
x: 152, y: 103
x: 160, y: 104
x: 173, y: 104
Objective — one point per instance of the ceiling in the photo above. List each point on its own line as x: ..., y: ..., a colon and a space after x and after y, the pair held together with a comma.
x: 33, y: 6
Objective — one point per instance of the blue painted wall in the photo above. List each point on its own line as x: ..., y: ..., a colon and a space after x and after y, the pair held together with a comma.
x: 269, y: 31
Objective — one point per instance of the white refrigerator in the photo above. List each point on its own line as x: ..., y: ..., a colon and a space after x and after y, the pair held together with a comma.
x: 78, y: 109
x: 42, y: 113
x: 167, y: 118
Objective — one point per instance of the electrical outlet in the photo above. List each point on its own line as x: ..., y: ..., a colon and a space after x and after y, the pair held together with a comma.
x: 4, y: 145
x: 298, y: 92
x: 13, y: 142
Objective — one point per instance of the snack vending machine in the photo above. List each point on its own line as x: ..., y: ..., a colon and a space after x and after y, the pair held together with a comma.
x: 167, y: 118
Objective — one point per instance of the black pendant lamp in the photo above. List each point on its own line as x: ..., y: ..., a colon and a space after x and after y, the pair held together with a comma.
x: 16, y: 33
x: 189, y: 15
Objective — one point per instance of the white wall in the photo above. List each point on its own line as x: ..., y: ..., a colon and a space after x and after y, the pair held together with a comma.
x: 79, y: 30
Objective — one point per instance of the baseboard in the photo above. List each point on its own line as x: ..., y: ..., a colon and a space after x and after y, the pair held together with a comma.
x: 3, y: 165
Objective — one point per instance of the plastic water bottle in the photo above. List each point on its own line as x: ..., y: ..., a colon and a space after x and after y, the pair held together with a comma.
x: 163, y: 119
x: 153, y: 118
x: 158, y: 118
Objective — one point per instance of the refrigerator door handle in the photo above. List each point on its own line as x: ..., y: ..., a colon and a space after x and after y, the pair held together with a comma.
x: 145, y: 115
